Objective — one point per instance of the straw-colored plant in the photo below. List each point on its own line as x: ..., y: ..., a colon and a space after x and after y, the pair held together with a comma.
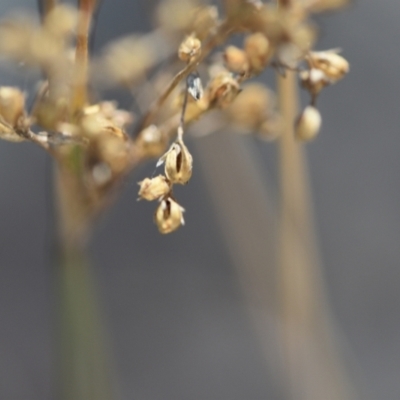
x: 185, y: 70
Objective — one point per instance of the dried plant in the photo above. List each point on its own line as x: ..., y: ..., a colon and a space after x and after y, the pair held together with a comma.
x: 93, y: 143
x: 177, y: 74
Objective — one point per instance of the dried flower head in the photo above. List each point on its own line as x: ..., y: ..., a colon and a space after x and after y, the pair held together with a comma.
x: 258, y: 50
x: 236, y: 60
x: 222, y: 89
x: 330, y: 63
x: 169, y: 216
x: 12, y: 104
x: 154, y: 188
x: 189, y: 48
x: 178, y: 163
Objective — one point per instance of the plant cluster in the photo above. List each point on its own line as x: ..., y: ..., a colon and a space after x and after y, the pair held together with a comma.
x: 175, y: 75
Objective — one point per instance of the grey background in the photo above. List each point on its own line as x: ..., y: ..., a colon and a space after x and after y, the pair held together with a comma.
x: 172, y: 304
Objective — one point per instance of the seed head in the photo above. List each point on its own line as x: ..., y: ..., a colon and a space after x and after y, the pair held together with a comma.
x: 169, y: 216
x: 189, y: 48
x: 12, y: 103
x: 313, y: 80
x: 154, y: 188
x: 178, y: 163
x: 308, y: 124
x: 258, y: 50
x: 330, y: 63
x: 236, y: 60
x: 223, y: 89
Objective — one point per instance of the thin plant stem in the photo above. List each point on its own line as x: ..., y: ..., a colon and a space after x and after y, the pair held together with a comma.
x: 311, y: 353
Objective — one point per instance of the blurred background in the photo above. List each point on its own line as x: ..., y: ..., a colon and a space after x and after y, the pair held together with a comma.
x: 176, y: 315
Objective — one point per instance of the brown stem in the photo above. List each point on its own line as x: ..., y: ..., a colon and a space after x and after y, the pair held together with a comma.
x: 311, y: 352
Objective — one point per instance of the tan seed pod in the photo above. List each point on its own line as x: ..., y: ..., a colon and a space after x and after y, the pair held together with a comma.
x: 308, y: 124
x: 258, y: 50
x: 314, y: 80
x: 222, y: 89
x: 189, y: 48
x: 236, y: 60
x: 330, y: 63
x: 154, y: 188
x: 12, y: 103
x: 8, y: 133
x: 178, y: 163
x: 169, y: 216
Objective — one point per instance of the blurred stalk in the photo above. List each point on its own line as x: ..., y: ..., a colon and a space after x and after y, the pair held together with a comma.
x: 79, y: 94
x: 85, y: 374
x: 311, y: 352
x: 84, y: 368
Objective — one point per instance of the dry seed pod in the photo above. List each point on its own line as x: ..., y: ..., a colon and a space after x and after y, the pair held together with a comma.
x: 154, y: 188
x: 169, y: 216
x: 258, y: 50
x: 189, y: 48
x: 12, y: 103
x: 314, y: 80
x: 178, y: 163
x: 222, y: 89
x: 236, y: 60
x: 330, y: 63
x: 308, y: 124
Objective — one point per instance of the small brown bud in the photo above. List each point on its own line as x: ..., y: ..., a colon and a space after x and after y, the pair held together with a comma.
x: 154, y: 188
x: 308, y: 124
x: 178, y: 163
x: 330, y: 63
x: 258, y: 50
x: 169, y: 216
x: 236, y: 60
x: 189, y: 48
x: 12, y: 102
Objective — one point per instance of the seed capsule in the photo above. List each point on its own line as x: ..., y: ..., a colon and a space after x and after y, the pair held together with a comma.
x: 330, y: 63
x: 223, y: 89
x: 178, y: 163
x: 12, y: 102
x: 169, y: 216
x: 154, y: 188
x: 189, y: 48
x: 236, y: 60
x: 308, y: 124
x: 258, y: 50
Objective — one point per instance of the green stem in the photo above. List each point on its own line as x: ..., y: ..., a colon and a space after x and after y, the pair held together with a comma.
x: 84, y: 367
